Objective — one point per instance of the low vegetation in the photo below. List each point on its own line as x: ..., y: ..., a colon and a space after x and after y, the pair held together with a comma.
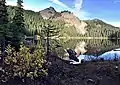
x: 25, y: 63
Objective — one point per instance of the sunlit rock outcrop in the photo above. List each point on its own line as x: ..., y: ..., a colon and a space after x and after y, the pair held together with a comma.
x: 80, y: 48
x: 71, y: 20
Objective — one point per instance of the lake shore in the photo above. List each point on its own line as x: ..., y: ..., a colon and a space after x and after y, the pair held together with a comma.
x: 83, y: 37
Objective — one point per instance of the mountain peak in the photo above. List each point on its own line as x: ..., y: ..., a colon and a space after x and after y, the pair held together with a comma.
x: 51, y: 9
x: 66, y: 11
x: 48, y: 12
x: 96, y: 19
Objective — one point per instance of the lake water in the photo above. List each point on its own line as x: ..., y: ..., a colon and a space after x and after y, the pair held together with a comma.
x: 89, y: 47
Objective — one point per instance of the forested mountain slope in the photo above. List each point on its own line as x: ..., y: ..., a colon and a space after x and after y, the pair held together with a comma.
x: 73, y: 26
x: 99, y: 28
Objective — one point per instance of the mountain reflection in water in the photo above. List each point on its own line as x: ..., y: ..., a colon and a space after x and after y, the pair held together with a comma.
x: 91, y: 49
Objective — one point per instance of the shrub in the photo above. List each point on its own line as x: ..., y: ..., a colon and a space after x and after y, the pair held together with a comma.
x: 24, y: 63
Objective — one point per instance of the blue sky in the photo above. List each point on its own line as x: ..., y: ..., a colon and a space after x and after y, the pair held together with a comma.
x: 106, y: 10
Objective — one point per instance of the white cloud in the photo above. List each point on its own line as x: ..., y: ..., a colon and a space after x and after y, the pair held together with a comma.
x: 59, y: 3
x: 78, y: 4
x: 77, y: 10
x: 117, y: 1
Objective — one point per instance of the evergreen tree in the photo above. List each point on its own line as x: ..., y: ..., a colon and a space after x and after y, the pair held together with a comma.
x: 18, y: 18
x: 3, y: 13
x: 18, y: 26
x: 3, y: 23
x: 50, y: 30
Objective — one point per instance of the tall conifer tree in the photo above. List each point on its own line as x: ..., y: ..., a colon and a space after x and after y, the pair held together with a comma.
x: 18, y: 24
x: 3, y: 13
x: 3, y: 23
x: 48, y: 31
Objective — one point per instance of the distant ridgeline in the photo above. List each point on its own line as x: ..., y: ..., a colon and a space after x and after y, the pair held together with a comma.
x: 73, y: 26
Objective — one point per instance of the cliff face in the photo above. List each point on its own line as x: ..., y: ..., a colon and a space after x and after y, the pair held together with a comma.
x: 69, y: 18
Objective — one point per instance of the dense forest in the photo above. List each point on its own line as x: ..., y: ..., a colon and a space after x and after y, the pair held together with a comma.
x: 95, y: 28
x: 99, y: 28
x: 33, y: 20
